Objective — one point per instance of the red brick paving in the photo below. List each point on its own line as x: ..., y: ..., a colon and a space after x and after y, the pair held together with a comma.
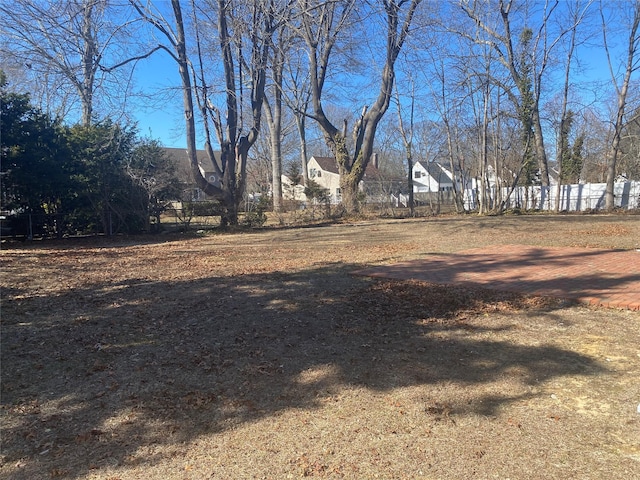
x: 609, y: 278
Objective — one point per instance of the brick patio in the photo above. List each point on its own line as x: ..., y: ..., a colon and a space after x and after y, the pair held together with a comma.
x: 609, y: 278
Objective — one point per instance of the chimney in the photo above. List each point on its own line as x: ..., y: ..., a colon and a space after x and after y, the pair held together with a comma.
x: 374, y: 160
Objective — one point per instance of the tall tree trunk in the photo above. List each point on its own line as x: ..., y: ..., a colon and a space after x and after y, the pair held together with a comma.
x: 562, y: 144
x: 351, y: 166
x: 632, y: 48
x: 526, y: 74
x: 541, y: 154
x: 302, y: 134
x: 412, y: 201
x: 187, y: 98
x: 89, y: 56
x: 349, y: 184
x: 458, y: 195
x: 274, y: 121
x: 407, y: 140
x: 484, y: 142
x: 229, y: 185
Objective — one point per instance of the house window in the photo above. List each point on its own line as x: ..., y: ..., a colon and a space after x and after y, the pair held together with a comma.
x: 338, y: 191
x: 417, y: 174
x: 319, y: 173
x: 312, y: 173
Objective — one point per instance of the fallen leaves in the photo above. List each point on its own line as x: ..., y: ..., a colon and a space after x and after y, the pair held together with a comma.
x: 440, y: 411
x: 92, y: 434
x: 308, y: 465
x: 293, y: 368
x: 610, y: 230
x: 199, y: 399
x: 59, y: 473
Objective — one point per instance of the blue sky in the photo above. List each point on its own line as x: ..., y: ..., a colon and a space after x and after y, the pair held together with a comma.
x: 161, y: 117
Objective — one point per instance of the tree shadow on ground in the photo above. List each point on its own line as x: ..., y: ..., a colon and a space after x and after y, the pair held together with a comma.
x: 93, y: 377
x: 563, y: 273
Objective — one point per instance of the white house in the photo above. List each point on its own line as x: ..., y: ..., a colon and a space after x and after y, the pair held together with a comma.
x: 429, y: 177
x: 291, y: 191
x: 324, y: 171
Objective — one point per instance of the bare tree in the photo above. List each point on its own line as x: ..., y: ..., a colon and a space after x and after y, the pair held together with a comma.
x: 321, y: 24
x: 629, y: 163
x: 446, y: 67
x: 297, y: 95
x: 596, y: 145
x: 282, y: 39
x: 473, y: 86
x: 566, y: 115
x: 274, y: 122
x: 631, y: 65
x: 407, y: 139
x: 449, y: 106
x: 526, y: 66
x: 71, y: 45
x: 239, y: 24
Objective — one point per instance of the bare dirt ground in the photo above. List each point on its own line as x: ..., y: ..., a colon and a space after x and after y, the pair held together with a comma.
x: 259, y: 355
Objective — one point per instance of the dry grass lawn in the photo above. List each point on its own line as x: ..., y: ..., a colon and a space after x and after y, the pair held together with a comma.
x: 259, y: 355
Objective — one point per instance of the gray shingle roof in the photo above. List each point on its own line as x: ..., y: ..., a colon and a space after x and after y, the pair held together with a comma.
x: 179, y: 156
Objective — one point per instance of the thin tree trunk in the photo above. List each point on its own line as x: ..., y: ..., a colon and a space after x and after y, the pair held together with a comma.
x: 411, y: 201
x: 563, y: 116
x: 622, y: 101
x: 407, y: 139
x: 615, y: 149
x: 351, y: 167
x: 187, y: 98
x: 301, y: 124
x: 88, y: 66
x: 274, y: 116
x: 541, y: 153
x: 484, y: 200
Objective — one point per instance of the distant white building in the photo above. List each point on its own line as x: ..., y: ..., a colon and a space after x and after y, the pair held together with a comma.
x: 324, y: 171
x: 430, y: 177
x: 291, y: 191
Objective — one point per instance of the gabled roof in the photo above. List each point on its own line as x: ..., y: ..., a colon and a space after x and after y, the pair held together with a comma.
x: 181, y: 159
x: 435, y: 171
x: 180, y: 154
x: 329, y: 164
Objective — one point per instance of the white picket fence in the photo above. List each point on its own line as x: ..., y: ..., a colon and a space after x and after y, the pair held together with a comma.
x: 400, y: 200
x: 573, y: 198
